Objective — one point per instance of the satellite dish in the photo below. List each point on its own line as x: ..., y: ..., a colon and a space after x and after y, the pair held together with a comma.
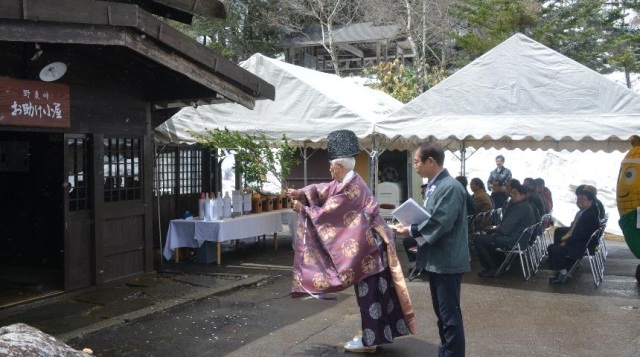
x: 53, y: 71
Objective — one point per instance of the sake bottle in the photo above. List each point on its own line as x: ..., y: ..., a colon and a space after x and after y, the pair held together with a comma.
x: 219, y: 205
x: 201, y: 202
x: 214, y: 209
x: 226, y: 205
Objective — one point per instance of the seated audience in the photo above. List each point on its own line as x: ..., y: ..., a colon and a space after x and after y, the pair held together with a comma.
x: 601, y: 212
x: 499, y: 195
x: 570, y: 242
x: 545, y: 193
x: 518, y: 217
x: 534, y: 197
x: 507, y: 189
x: 470, y: 207
x: 481, y: 203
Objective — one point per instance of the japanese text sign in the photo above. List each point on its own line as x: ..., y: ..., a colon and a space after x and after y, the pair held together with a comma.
x: 33, y: 103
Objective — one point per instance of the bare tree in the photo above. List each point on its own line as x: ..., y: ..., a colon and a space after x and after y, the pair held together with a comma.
x: 331, y: 15
x: 427, y: 24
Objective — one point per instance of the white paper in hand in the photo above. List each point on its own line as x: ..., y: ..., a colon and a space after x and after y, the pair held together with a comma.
x: 410, y: 213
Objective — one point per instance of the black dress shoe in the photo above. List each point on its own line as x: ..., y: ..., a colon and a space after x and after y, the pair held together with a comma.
x: 560, y: 279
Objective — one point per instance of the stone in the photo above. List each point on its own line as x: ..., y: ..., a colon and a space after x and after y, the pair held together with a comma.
x: 22, y: 340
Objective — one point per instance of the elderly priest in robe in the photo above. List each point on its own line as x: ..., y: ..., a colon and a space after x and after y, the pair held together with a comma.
x: 343, y: 240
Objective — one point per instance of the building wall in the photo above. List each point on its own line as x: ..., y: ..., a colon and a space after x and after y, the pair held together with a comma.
x: 107, y: 102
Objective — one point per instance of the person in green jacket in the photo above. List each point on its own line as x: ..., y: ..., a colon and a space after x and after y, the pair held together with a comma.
x: 443, y: 245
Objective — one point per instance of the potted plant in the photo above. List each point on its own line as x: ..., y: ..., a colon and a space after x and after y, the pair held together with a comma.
x: 255, y: 156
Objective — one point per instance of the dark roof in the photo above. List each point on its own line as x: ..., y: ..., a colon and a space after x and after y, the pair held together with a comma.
x: 128, y: 31
x: 354, y: 33
x: 181, y: 10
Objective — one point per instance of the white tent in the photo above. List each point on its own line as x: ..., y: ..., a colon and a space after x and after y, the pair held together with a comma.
x: 308, y: 106
x: 521, y: 94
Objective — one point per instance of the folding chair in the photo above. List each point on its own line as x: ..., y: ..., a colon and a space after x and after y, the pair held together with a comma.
x: 544, y: 235
x: 546, y: 222
x: 386, y: 214
x: 603, y: 245
x: 522, y: 251
x: 535, y: 251
x: 595, y: 257
x: 475, y: 224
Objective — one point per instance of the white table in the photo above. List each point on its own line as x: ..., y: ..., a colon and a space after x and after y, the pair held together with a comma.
x: 192, y: 233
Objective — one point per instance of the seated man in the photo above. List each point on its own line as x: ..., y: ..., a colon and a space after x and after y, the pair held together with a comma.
x: 534, y: 197
x: 499, y: 196
x: 516, y: 219
x: 570, y: 243
x: 544, y: 191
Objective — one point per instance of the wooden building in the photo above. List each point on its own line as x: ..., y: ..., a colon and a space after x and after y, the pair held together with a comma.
x: 359, y: 46
x: 82, y: 85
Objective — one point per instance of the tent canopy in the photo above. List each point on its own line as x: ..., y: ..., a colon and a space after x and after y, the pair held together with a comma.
x: 308, y: 106
x: 521, y: 94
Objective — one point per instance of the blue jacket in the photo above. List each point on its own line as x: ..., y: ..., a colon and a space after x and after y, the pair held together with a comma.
x: 447, y: 247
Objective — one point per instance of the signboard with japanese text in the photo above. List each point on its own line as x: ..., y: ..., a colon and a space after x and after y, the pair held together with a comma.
x: 34, y: 103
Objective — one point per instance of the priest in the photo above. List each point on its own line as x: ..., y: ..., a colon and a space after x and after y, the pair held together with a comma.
x: 342, y: 241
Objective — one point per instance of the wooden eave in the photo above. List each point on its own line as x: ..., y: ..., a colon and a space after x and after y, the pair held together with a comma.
x: 205, y: 8
x: 108, y: 23
x: 180, y: 10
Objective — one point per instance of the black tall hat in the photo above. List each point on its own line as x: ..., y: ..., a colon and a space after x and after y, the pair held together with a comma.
x: 342, y: 143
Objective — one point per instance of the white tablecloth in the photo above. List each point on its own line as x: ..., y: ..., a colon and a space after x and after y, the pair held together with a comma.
x: 192, y: 233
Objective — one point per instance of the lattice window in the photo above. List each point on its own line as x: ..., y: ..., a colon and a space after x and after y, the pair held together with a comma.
x: 179, y: 171
x: 166, y: 171
x: 78, y: 175
x: 190, y: 170
x: 122, y: 169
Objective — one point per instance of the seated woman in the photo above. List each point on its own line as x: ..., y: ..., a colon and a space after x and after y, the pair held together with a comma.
x: 570, y: 243
x: 482, y: 203
x: 516, y: 219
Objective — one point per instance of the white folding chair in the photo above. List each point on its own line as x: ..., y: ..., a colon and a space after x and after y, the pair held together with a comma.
x: 546, y: 222
x: 543, y: 238
x: 603, y: 245
x: 521, y: 249
x: 595, y: 258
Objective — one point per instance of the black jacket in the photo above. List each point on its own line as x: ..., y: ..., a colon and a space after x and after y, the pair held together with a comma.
x: 588, y: 223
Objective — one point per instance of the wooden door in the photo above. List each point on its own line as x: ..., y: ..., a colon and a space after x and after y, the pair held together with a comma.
x: 78, y: 203
x: 123, y: 232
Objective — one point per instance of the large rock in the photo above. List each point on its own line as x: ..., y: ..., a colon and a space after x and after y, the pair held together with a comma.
x: 21, y: 340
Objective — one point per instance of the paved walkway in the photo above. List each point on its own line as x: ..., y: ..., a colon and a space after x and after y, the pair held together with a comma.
x: 79, y: 314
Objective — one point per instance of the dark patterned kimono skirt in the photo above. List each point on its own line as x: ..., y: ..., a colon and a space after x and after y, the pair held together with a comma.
x: 380, y: 310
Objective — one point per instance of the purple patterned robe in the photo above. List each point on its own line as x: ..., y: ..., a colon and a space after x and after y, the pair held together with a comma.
x: 335, y: 244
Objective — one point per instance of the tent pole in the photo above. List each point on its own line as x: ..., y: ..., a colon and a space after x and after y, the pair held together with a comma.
x: 373, y: 165
x: 305, y: 158
x: 463, y: 157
